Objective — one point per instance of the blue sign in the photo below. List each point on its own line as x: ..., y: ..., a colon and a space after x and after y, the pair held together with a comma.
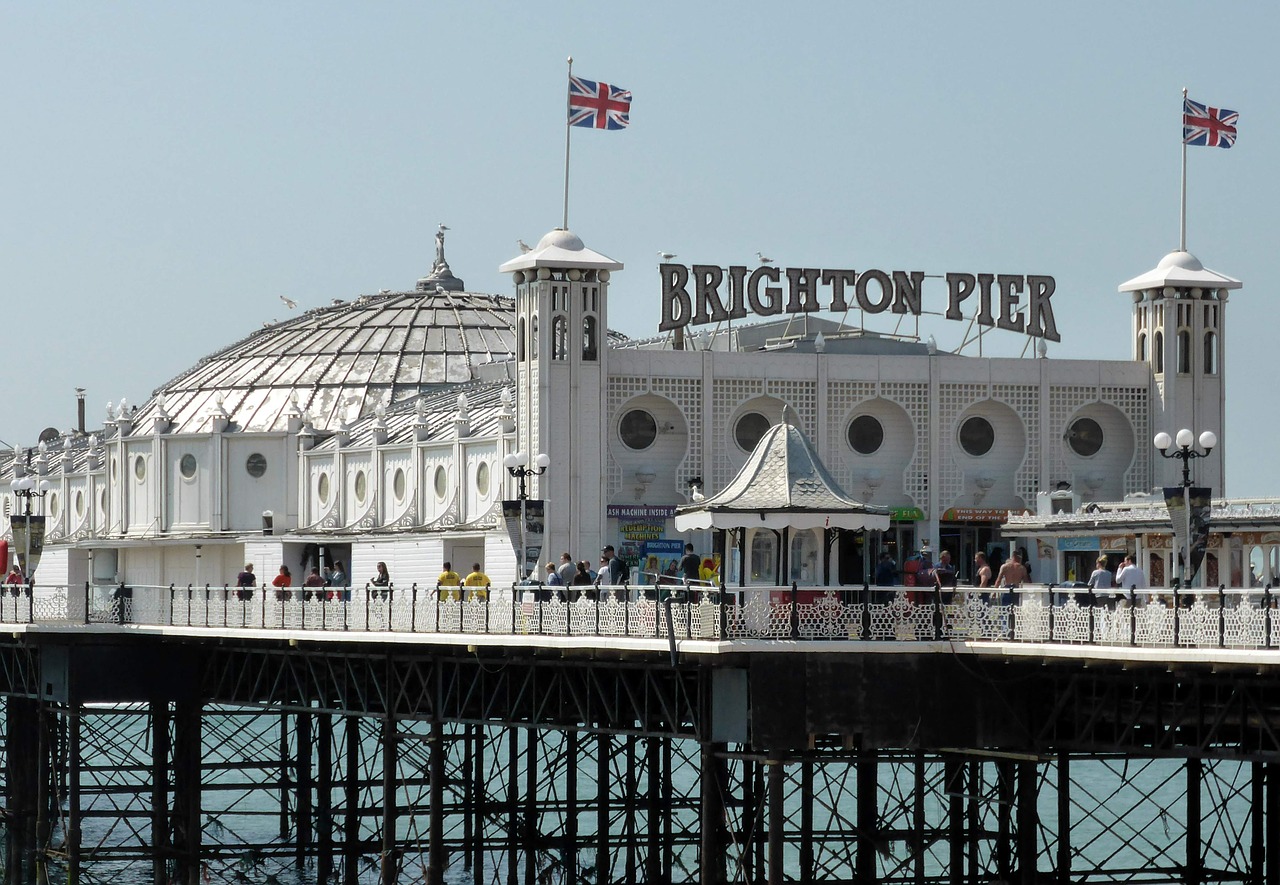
x: 1079, y: 544
x: 664, y: 549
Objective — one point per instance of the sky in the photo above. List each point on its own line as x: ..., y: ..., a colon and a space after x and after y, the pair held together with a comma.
x: 169, y: 171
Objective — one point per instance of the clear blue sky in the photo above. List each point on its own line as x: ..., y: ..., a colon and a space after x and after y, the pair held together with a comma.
x: 171, y: 170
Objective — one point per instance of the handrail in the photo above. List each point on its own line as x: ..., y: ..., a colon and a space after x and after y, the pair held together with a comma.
x: 1214, y: 617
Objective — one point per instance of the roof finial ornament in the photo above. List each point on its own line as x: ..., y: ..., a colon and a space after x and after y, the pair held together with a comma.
x: 441, y: 277
x: 440, y: 262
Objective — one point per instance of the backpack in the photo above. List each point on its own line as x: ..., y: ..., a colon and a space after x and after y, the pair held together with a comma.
x: 624, y: 573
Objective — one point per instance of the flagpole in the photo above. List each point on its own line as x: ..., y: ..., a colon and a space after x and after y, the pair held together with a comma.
x: 567, y: 129
x: 1182, y: 230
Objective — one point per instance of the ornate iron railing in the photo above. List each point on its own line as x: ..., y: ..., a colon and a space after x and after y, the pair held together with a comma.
x: 1205, y: 618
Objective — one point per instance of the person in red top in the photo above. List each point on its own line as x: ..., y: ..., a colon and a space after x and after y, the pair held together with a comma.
x: 281, y: 581
x: 15, y: 580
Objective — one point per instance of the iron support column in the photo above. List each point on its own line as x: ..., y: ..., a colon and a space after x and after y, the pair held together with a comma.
x: 1195, y: 863
x: 324, y: 798
x: 73, y: 794
x: 159, y: 715
x: 777, y: 816
x: 1028, y: 822
x: 711, y: 869
x: 868, y: 773
x: 436, y: 861
x: 388, y: 869
x: 1064, y: 817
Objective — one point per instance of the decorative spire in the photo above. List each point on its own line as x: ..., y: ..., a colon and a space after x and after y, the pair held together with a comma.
x: 441, y: 277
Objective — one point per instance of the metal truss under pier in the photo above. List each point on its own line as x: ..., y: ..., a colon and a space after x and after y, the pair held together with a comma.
x: 142, y: 759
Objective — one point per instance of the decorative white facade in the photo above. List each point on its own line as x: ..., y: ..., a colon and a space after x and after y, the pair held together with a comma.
x: 375, y: 430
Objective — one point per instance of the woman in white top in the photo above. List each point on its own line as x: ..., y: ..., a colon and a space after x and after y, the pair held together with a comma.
x: 1101, y: 579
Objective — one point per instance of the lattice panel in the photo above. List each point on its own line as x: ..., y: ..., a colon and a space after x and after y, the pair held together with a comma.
x: 619, y: 390
x: 842, y: 398
x: 1134, y: 402
x: 1024, y: 399
x: 728, y: 395
x: 686, y: 393
x: 802, y: 397
x: 1063, y: 403
x: 952, y: 400
x: 914, y: 399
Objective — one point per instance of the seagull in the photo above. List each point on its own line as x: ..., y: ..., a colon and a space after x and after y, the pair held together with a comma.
x: 439, y: 289
x: 336, y: 301
x: 666, y: 256
x: 289, y: 302
x: 444, y: 226
x: 763, y: 259
x: 524, y: 247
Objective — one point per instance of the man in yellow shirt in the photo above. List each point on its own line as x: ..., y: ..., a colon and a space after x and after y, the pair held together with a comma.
x: 477, y: 583
x: 448, y: 583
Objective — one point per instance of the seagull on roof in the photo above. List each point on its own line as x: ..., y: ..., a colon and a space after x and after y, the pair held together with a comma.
x: 763, y: 259
x: 666, y: 256
x: 524, y: 247
x: 289, y: 302
x: 439, y: 289
x: 336, y: 301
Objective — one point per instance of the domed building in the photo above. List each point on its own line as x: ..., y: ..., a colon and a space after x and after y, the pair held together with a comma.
x: 384, y: 429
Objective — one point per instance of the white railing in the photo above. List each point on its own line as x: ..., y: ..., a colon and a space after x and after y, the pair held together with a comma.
x: 1222, y: 618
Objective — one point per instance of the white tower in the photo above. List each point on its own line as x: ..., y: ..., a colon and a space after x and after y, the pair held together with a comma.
x: 1179, y: 325
x: 561, y: 368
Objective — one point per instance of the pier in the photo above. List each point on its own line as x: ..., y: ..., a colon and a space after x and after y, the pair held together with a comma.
x: 169, y: 734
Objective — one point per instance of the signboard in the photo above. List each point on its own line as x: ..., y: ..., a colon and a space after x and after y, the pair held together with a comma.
x: 1189, y: 512
x: 1066, y: 544
x: 28, y: 542
x: 906, y: 514
x: 715, y: 299
x: 978, y: 514
x: 641, y: 523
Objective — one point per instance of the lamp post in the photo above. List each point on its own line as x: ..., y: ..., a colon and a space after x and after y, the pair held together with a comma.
x: 1186, y: 453
x: 519, y: 466
x: 26, y: 487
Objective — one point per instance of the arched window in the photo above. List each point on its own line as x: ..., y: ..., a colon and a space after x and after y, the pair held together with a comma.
x: 533, y: 338
x: 1211, y: 353
x: 1142, y: 347
x: 559, y: 338
x: 520, y: 341
x: 589, y: 339
x: 1157, y: 351
x: 1184, y: 352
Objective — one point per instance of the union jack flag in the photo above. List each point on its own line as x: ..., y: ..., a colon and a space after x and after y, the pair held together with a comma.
x: 598, y: 105
x: 1206, y: 126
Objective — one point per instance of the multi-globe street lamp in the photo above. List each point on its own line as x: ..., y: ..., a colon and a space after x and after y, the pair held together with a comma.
x: 517, y: 464
x: 1185, y: 452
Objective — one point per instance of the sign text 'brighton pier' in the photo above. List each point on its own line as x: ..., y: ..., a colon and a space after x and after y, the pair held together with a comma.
x: 759, y: 291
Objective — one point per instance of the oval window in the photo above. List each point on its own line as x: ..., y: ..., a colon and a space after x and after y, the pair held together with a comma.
x: 866, y: 435
x: 1085, y: 437
x: 482, y: 479
x: 638, y: 429
x: 140, y: 468
x: 102, y: 500
x: 255, y: 465
x: 322, y: 488
x: 749, y: 429
x: 187, y: 466
x: 362, y: 486
x: 442, y: 482
x: 54, y: 505
x: 977, y: 436
x: 79, y: 504
x: 398, y: 483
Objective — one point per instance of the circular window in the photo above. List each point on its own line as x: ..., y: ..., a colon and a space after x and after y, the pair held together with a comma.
x: 638, y: 429
x: 866, y: 435
x: 362, y: 486
x: 79, y: 504
x: 749, y: 429
x: 187, y: 465
x: 256, y: 465
x: 977, y: 436
x: 53, y: 505
x: 140, y: 468
x: 322, y: 488
x: 442, y: 482
x: 482, y: 479
x: 398, y: 484
x: 1085, y: 437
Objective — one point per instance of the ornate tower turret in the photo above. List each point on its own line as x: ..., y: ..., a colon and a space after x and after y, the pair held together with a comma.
x: 561, y: 367
x: 1179, y: 324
